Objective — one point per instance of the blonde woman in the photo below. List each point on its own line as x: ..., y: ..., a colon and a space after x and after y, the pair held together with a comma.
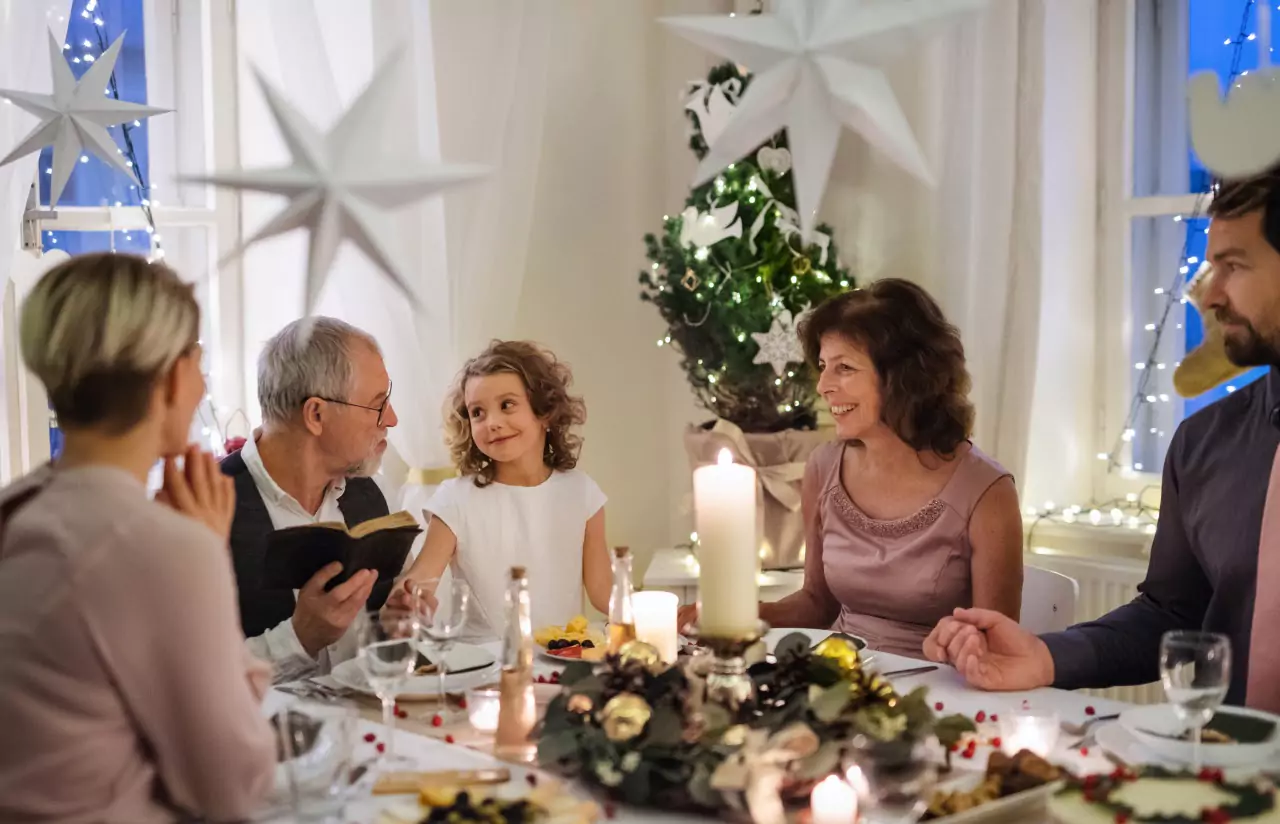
x: 126, y: 691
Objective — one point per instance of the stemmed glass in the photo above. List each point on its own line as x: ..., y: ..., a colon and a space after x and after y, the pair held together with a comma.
x: 892, y: 779
x: 1195, y: 668
x: 443, y: 610
x: 388, y: 651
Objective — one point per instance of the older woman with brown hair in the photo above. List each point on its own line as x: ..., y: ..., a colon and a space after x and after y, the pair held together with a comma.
x: 905, y: 519
x: 126, y: 690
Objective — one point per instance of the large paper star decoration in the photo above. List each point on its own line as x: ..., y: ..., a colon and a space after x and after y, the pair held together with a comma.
x: 780, y: 345
x: 816, y: 65
x: 76, y: 116
x: 1237, y: 135
x: 341, y: 183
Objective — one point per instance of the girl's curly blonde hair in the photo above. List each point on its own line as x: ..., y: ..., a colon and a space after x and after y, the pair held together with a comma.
x: 546, y: 379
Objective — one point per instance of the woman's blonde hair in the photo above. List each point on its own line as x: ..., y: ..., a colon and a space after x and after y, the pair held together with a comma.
x: 546, y: 379
x: 100, y: 329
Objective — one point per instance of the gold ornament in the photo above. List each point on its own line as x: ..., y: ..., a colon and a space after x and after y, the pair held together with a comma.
x: 842, y: 652
x: 801, y: 265
x: 646, y: 655
x: 580, y: 704
x: 879, y: 688
x: 735, y: 736
x: 624, y: 717
x: 690, y: 280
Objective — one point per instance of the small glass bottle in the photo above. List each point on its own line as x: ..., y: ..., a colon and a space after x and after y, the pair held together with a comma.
x: 622, y: 611
x: 517, y: 709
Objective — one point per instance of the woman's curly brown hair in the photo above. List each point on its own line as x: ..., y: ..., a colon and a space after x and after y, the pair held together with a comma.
x: 546, y: 379
x: 917, y: 354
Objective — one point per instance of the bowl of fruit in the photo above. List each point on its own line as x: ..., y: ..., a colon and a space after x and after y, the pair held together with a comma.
x: 575, y: 641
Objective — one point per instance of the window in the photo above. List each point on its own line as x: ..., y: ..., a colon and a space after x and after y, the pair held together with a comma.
x: 165, y: 60
x: 1158, y: 228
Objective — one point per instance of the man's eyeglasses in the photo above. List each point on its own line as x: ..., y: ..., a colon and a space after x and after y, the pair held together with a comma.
x: 380, y: 408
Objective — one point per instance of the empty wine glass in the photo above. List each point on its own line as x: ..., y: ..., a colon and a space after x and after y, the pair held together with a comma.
x: 443, y: 609
x: 316, y: 743
x: 1195, y: 668
x: 388, y: 652
x: 892, y: 779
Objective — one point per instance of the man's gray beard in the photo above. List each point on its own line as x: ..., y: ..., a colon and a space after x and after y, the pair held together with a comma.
x: 366, y: 468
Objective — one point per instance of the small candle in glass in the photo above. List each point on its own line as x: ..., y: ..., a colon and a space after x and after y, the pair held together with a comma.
x: 1035, y: 730
x: 482, y: 709
x: 833, y: 802
x: 656, y: 621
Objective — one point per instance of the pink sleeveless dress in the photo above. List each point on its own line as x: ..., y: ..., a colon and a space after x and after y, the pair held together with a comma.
x: 896, y: 579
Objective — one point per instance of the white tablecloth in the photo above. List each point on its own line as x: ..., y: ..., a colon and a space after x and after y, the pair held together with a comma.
x: 945, y: 688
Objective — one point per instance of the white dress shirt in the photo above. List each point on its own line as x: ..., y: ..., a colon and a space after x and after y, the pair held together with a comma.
x: 280, y: 644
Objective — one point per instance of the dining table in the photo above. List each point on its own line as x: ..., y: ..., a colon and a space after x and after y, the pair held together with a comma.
x: 452, y: 745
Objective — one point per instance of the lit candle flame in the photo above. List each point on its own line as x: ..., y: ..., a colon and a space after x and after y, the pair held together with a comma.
x: 724, y: 458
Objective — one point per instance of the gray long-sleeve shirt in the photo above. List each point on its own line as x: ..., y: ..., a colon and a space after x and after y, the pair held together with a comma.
x: 1204, y: 559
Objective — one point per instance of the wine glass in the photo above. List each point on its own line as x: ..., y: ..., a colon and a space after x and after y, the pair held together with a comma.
x: 316, y: 743
x: 892, y: 779
x: 1195, y: 668
x: 443, y: 610
x: 388, y: 651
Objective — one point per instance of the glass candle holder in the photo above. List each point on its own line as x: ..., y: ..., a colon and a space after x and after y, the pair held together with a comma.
x: 482, y: 709
x: 1035, y: 730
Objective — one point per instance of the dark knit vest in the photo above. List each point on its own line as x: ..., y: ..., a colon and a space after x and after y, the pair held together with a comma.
x: 261, y: 608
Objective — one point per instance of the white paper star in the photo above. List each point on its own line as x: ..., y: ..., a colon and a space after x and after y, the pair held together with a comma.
x: 1237, y: 135
x: 780, y: 345
x: 810, y: 62
x: 341, y: 183
x: 74, y: 118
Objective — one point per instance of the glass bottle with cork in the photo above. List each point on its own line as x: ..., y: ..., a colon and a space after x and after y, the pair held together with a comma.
x: 622, y: 612
x: 517, y: 709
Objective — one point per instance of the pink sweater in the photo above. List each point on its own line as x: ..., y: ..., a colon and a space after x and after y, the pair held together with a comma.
x: 126, y: 691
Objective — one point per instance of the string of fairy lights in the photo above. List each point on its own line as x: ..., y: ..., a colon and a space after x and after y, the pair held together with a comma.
x: 1135, y: 511
x: 89, y: 51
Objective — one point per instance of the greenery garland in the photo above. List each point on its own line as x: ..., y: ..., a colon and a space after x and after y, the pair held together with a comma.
x: 1252, y: 798
x: 644, y: 732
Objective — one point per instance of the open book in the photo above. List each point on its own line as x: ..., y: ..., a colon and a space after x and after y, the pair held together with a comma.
x: 296, y: 553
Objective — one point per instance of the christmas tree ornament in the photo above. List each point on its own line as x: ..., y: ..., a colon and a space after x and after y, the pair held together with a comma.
x: 340, y: 184
x: 690, y: 280
x: 74, y: 119
x: 703, y: 229
x: 780, y: 345
x: 817, y: 64
x: 712, y: 105
x: 776, y: 161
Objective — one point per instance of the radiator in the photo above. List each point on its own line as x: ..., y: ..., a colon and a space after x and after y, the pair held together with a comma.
x: 1105, y: 583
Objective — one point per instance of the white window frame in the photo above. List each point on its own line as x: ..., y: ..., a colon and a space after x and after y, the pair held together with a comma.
x: 204, y: 80
x: 1118, y: 325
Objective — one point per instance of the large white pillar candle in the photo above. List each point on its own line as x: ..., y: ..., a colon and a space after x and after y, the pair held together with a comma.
x: 656, y: 621
x: 833, y: 802
x: 728, y: 557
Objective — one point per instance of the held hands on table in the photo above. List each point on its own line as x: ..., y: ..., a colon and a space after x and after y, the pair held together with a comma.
x: 991, y: 651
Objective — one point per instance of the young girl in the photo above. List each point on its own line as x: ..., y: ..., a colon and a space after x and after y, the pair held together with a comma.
x: 520, y: 499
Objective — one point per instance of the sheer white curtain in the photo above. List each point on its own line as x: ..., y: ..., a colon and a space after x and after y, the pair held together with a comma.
x: 473, y: 87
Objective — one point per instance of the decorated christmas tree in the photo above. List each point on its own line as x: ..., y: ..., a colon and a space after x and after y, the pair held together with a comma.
x: 732, y: 275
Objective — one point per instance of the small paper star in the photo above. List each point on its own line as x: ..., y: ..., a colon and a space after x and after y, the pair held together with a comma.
x: 780, y: 345
x: 76, y: 116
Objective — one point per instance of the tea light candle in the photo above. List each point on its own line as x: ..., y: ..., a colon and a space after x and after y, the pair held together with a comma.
x: 1029, y: 730
x: 656, y: 621
x: 833, y: 802
x: 728, y: 557
x: 482, y: 709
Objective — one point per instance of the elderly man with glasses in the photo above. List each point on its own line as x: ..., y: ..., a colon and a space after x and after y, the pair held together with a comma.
x: 326, y: 408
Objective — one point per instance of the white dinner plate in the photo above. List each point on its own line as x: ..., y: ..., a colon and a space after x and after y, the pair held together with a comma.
x: 1028, y: 805
x: 349, y: 674
x: 1149, y: 724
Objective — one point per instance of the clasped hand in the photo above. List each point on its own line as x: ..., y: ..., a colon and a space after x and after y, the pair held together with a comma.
x: 990, y: 651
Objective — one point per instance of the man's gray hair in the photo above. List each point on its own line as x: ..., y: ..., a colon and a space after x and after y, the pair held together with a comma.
x: 295, y: 366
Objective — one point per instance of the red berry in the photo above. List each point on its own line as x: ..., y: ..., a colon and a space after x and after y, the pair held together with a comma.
x: 382, y: 747
x: 1084, y: 750
x: 980, y: 717
x: 437, y: 720
x: 610, y: 811
x: 1090, y: 782
x: 462, y: 703
x: 541, y: 679
x: 369, y: 738
x: 1122, y: 817
x: 938, y: 706
x: 994, y: 718
x: 555, y: 677
x: 448, y: 739
x: 967, y: 754
x: 995, y: 742
x: 1090, y: 711
x: 1087, y: 795
x: 401, y: 713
